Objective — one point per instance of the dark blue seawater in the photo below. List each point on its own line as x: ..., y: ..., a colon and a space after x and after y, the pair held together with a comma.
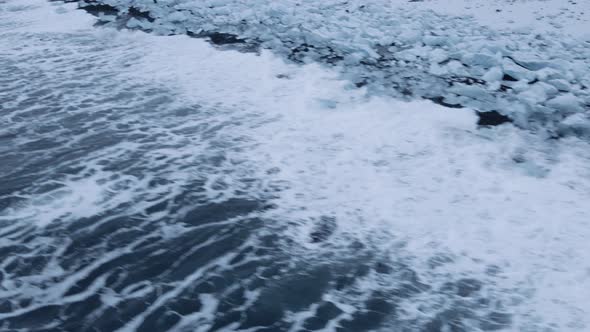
x: 117, y: 211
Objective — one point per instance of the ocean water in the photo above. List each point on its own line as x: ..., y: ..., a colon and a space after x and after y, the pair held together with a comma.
x: 153, y: 183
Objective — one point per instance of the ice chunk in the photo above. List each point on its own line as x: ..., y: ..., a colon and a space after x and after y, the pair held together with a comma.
x: 410, y: 36
x: 561, y: 85
x: 436, y: 69
x: 548, y: 73
x: 178, y: 16
x: 533, y: 64
x: 538, y: 93
x: 494, y: 74
x: 481, y: 59
x: 566, y: 103
x: 472, y: 91
x: 457, y: 68
x: 434, y: 40
x: 438, y: 55
x: 520, y: 86
x: 516, y: 71
x: 134, y: 23
x: 578, y: 123
x: 578, y: 119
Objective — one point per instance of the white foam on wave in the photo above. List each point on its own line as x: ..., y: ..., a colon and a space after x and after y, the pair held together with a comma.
x: 433, y: 184
x: 416, y: 173
x: 34, y: 16
x: 58, y: 41
x: 43, y: 16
